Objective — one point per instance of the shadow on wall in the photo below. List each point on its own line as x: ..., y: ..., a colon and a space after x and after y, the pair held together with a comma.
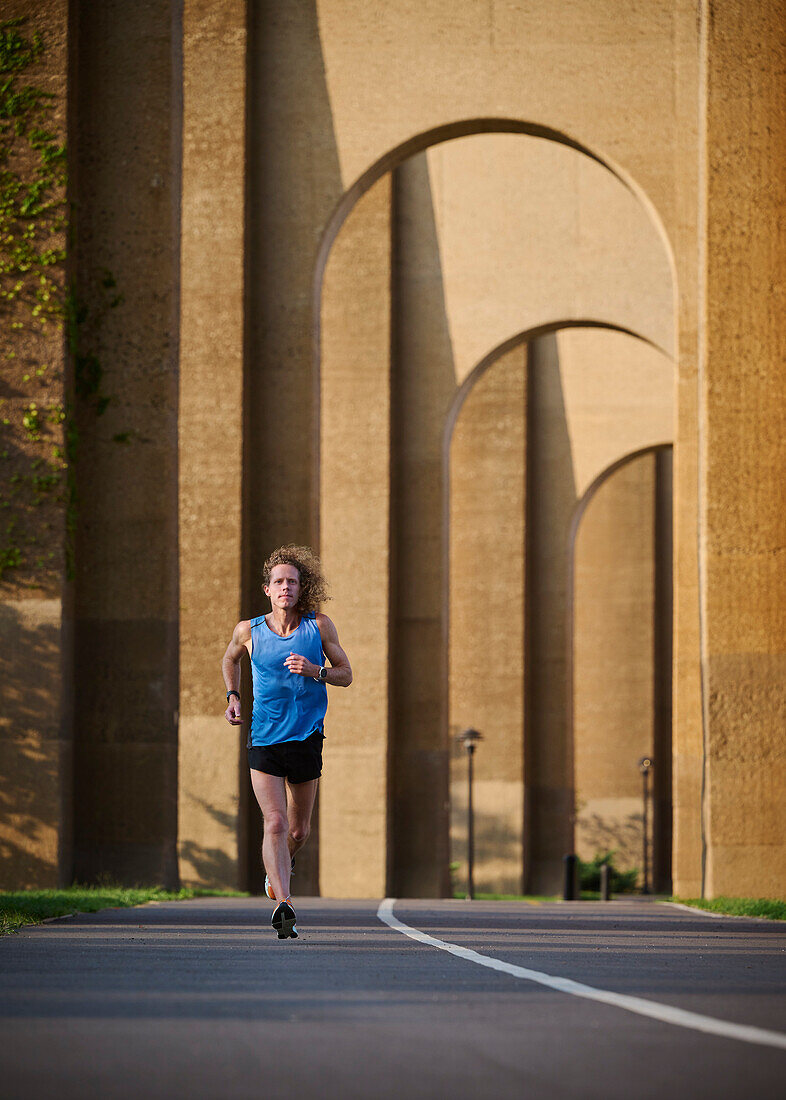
x: 31, y: 751
x: 497, y: 864
x: 207, y: 866
x: 621, y: 835
x: 210, y: 868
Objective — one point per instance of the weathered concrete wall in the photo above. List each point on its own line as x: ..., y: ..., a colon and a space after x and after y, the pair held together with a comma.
x: 614, y: 661
x: 335, y: 87
x: 355, y: 545
x: 531, y: 233
x: 594, y: 396
x: 210, y: 434
x: 423, y: 388
x: 486, y: 675
x: 744, y: 450
x: 684, y: 238
x: 35, y: 642
x: 125, y: 182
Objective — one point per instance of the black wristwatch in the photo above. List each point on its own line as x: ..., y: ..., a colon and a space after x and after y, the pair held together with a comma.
x: 233, y: 693
x: 321, y: 676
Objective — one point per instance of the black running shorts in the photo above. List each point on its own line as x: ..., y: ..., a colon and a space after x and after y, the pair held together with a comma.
x: 296, y: 761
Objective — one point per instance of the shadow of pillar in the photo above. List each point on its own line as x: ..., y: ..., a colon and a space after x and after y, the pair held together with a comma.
x: 551, y: 497
x: 423, y: 389
x: 294, y: 183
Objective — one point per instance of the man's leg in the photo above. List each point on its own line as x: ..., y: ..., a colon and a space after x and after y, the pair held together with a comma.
x: 299, y: 810
x: 271, y: 796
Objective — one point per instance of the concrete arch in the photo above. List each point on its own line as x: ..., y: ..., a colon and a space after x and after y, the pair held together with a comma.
x: 487, y: 363
x: 372, y: 202
x: 524, y: 337
x: 660, y: 649
x: 465, y: 128
x: 500, y: 787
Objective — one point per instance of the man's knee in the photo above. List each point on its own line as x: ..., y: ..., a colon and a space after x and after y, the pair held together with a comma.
x: 275, y: 823
x: 300, y: 833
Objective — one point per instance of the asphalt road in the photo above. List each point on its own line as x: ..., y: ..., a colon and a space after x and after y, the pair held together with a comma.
x: 199, y: 999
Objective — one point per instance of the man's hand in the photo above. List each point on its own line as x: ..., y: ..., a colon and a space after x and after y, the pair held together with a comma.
x: 232, y: 713
x: 300, y: 665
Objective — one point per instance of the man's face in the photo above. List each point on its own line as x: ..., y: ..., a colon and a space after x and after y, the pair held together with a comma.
x: 284, y: 588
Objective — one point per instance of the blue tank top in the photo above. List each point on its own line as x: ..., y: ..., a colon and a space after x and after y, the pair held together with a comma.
x: 287, y: 707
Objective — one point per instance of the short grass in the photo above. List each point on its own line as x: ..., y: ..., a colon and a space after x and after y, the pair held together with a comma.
x: 739, y: 907
x: 31, y: 906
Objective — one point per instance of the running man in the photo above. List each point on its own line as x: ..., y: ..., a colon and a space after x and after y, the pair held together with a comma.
x: 287, y: 648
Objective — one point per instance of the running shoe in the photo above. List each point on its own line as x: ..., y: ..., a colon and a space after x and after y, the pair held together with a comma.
x: 283, y: 920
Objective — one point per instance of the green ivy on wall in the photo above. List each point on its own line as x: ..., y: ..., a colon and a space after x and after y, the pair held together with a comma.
x: 33, y: 456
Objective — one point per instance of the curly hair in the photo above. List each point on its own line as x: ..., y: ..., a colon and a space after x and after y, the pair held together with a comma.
x: 313, y: 586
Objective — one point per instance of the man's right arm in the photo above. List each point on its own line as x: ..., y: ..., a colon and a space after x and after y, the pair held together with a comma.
x: 230, y: 667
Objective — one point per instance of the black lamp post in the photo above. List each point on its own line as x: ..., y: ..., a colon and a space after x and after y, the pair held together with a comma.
x: 469, y: 739
x: 645, y: 765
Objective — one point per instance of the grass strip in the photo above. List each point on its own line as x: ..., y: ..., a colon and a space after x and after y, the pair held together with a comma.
x: 739, y: 907
x: 31, y: 906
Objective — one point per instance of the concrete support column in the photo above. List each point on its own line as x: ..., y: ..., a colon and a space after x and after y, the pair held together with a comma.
x: 424, y: 387
x: 125, y: 182
x: 744, y: 449
x: 486, y: 681
x: 355, y: 498
x: 551, y: 496
x: 210, y: 432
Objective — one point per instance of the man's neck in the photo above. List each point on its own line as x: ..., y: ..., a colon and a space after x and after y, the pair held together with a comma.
x: 284, y: 620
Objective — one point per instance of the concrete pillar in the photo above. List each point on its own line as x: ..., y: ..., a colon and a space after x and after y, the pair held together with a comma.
x: 423, y: 390
x: 684, y: 240
x: 551, y: 496
x: 211, y: 434
x: 743, y: 520
x: 35, y: 629
x: 293, y: 185
x: 125, y: 165
x: 355, y: 529
x: 486, y: 681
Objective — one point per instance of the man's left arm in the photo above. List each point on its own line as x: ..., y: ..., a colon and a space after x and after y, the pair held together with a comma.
x: 340, y: 673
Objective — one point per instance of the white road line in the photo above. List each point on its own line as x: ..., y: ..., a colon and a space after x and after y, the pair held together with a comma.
x: 665, y: 1013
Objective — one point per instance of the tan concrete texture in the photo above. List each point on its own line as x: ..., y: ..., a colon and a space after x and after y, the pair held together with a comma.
x: 35, y: 750
x: 613, y: 662
x: 744, y: 450
x: 211, y: 436
x: 124, y: 180
x: 684, y: 236
x: 423, y: 389
x: 594, y: 396
x: 532, y: 232
x: 355, y: 385
x: 487, y: 601
x: 641, y: 160
x: 208, y: 803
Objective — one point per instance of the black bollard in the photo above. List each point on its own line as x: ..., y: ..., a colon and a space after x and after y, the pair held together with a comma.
x: 570, y: 878
x: 605, y: 882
